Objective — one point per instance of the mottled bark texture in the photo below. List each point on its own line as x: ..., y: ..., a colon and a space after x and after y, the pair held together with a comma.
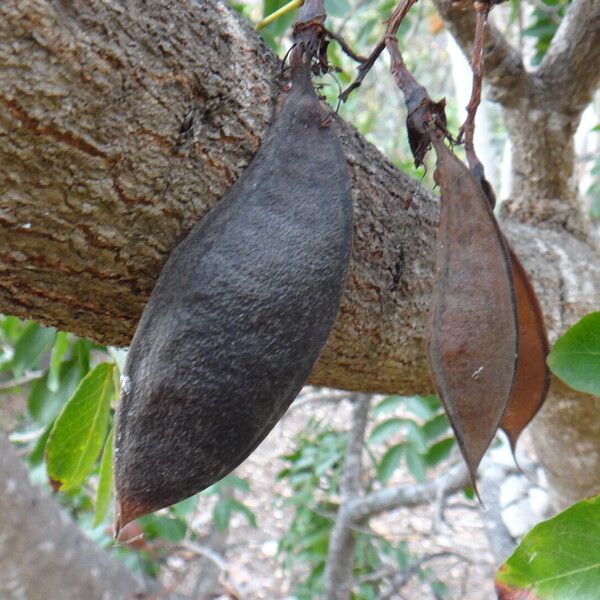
x: 43, y: 554
x: 542, y: 110
x: 123, y: 122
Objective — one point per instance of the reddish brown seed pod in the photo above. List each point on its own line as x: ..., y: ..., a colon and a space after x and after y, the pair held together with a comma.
x: 532, y: 377
x: 239, y: 314
x: 474, y: 340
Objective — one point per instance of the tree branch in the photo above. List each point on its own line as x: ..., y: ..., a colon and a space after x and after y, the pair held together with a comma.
x: 340, y: 555
x: 43, y: 554
x: 503, y: 64
x: 409, y: 495
x: 569, y: 70
x: 116, y: 139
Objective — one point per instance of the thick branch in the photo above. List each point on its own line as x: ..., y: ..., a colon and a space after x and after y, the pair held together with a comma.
x: 43, y: 554
x: 504, y: 69
x: 122, y: 123
x: 570, y: 68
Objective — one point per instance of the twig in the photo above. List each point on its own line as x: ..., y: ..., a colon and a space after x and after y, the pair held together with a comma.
x: 482, y: 11
x: 402, y: 578
x: 392, y: 25
x: 409, y: 495
x: 344, y: 46
x: 29, y: 377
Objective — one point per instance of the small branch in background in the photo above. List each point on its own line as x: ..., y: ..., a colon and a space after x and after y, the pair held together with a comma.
x: 569, y: 69
x: 499, y: 538
x: 402, y: 578
x: 340, y: 556
x: 392, y: 25
x: 505, y: 71
x: 27, y: 378
x: 203, y: 588
x: 344, y: 46
x: 409, y: 495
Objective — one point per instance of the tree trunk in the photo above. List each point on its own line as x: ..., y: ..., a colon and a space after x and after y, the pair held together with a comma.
x: 43, y: 554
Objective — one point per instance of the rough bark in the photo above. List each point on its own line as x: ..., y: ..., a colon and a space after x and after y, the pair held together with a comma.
x: 98, y: 182
x: 43, y: 554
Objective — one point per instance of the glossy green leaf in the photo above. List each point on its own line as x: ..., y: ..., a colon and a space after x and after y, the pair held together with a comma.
x: 558, y: 559
x: 105, y: 482
x: 575, y: 357
x: 34, y: 341
x: 79, y: 431
x: 61, y: 345
x: 390, y: 462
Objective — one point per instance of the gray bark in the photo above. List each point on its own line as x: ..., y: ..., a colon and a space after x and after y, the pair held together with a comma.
x: 340, y: 555
x: 43, y: 554
x: 97, y: 184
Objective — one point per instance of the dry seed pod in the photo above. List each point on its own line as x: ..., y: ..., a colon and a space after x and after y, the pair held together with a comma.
x: 474, y: 341
x: 239, y: 314
x: 532, y: 378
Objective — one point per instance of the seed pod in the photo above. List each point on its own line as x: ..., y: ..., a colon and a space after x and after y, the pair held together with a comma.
x: 239, y: 314
x: 474, y: 340
x: 532, y: 378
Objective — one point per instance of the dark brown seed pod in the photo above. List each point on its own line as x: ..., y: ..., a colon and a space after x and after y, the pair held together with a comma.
x: 239, y: 314
x: 532, y: 377
x: 474, y: 340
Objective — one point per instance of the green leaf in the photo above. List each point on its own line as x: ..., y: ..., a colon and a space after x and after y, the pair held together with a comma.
x: 418, y: 406
x: 435, y: 427
x: 36, y: 455
x: 388, y: 405
x: 43, y: 405
x: 558, y: 559
x: 390, y: 461
x: 34, y: 341
x: 105, y: 482
x: 415, y: 437
x: 78, y: 433
x: 161, y: 526
x: 236, y: 506
x: 416, y: 464
x: 61, y: 345
x: 438, y: 452
x: 386, y: 429
x: 221, y: 515
x: 185, y: 507
x: 575, y: 357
